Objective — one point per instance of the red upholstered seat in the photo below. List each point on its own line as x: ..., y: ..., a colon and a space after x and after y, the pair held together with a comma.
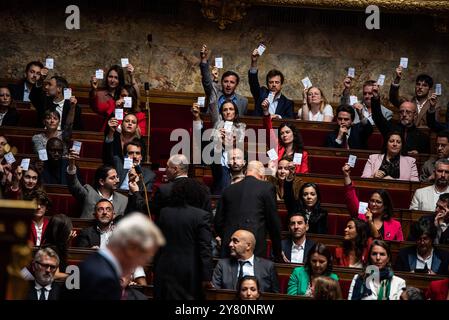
x: 283, y: 283
x: 333, y: 165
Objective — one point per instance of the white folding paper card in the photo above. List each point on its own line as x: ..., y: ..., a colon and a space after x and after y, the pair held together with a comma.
x: 127, y: 163
x: 125, y: 62
x: 272, y: 154
x: 306, y: 82
x: 297, y: 158
x: 99, y: 74
x: 128, y: 102
x: 363, y: 206
x: 261, y: 49
x: 119, y: 114
x: 270, y: 97
x: 9, y: 157
x: 201, y: 101
x: 404, y: 63
x: 438, y: 89
x: 43, y: 155
x: 351, y: 161
x: 67, y: 93
x: 25, y: 164
x: 351, y: 72
x: 49, y: 63
x: 219, y: 62
x: 353, y: 100
x: 228, y: 126
x: 381, y: 80
x: 77, y: 146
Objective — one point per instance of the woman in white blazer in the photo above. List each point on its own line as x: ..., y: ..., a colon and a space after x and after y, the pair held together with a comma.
x: 377, y: 282
x: 391, y: 164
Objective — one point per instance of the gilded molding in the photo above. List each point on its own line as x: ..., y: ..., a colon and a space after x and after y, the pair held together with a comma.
x: 223, y: 12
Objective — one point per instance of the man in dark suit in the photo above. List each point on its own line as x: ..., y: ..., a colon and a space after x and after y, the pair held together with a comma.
x: 96, y: 236
x: 21, y: 90
x: 423, y: 257
x: 280, y: 107
x: 229, y: 271
x: 45, y: 264
x: 134, y: 240
x: 296, y: 247
x: 349, y: 135
x: 251, y: 205
x: 8, y: 113
x: 53, y: 99
x: 55, y: 168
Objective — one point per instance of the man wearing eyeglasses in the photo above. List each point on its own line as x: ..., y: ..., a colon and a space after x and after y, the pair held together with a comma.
x: 45, y: 264
x: 97, y: 235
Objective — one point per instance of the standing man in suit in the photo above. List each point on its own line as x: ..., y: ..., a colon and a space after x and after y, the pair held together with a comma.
x: 105, y: 186
x: 225, y: 91
x: 296, y: 247
x: 97, y: 235
x: 21, y: 90
x: 423, y: 257
x: 242, y: 263
x: 45, y: 264
x: 134, y: 241
x: 251, y: 205
x: 426, y: 198
x: 349, y: 135
x: 281, y: 107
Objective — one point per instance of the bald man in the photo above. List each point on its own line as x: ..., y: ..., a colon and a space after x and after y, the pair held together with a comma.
x: 243, y: 263
x: 251, y: 205
x: 415, y: 141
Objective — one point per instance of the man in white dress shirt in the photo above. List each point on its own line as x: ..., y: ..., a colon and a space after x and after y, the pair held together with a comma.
x: 45, y: 264
x: 296, y: 246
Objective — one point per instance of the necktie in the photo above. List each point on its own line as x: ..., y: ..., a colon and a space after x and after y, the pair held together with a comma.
x: 42, y: 297
x: 241, y: 263
x: 345, y: 142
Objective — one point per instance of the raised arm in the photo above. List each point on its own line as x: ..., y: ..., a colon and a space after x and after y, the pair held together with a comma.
x: 382, y: 124
x: 351, y: 199
x: 205, y: 73
x: 253, y: 77
x: 394, y: 88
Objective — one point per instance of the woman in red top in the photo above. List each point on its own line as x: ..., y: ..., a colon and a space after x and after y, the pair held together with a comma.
x: 288, y: 142
x: 354, y: 252
x: 129, y: 91
x: 102, y: 100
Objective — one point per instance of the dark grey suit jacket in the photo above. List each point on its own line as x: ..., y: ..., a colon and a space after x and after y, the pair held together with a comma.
x: 89, y: 237
x: 287, y: 247
x: 225, y: 274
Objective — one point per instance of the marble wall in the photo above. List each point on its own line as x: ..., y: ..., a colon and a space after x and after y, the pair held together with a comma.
x: 321, y: 51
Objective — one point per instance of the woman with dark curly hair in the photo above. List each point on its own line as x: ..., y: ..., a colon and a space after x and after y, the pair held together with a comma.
x: 379, y: 213
x: 354, y: 252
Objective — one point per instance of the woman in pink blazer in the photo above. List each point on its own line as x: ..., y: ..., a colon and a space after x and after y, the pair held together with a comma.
x: 378, y: 214
x: 391, y: 164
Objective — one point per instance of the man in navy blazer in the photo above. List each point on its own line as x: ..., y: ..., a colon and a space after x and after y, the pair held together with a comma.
x: 280, y: 106
x: 135, y: 239
x: 228, y: 271
x: 21, y: 91
x: 297, y: 243
x: 423, y: 257
x: 349, y: 135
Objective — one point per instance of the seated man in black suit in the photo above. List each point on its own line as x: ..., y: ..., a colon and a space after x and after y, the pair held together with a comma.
x: 53, y: 98
x: 349, y: 135
x: 97, y: 235
x: 229, y: 271
x: 423, y: 257
x: 45, y: 264
x: 296, y: 247
x: 21, y: 90
x: 55, y: 168
x: 134, y: 241
x: 280, y: 107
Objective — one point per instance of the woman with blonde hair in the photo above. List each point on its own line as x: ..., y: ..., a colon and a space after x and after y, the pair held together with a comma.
x: 315, y: 106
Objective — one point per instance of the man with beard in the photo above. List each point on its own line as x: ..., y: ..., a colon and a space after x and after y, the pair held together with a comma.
x: 242, y: 262
x: 237, y: 165
x: 349, y: 135
x: 422, y: 98
x: 97, y: 235
x: 442, y: 146
x: 105, y: 185
x: 45, y: 264
x: 296, y: 247
x: 415, y: 141
x: 21, y: 90
x: 423, y: 257
x: 426, y: 198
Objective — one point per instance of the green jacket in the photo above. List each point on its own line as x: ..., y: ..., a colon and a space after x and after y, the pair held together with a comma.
x: 299, y: 281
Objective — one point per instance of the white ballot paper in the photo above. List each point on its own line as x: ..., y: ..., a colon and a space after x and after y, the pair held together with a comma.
x: 67, y: 93
x: 25, y: 164
x: 270, y: 97
x: 77, y: 146
x: 127, y: 163
x: 43, y: 155
x: 438, y: 89
x: 351, y: 72
x: 404, y: 63
x: 9, y: 157
x: 351, y: 160
x: 272, y: 154
x: 353, y: 100
x: 119, y: 114
x: 261, y: 49
x: 363, y: 206
x: 297, y: 158
x: 49, y: 63
x: 201, y: 101
x: 306, y: 82
x: 124, y: 62
x: 219, y: 62
x: 99, y: 74
x: 228, y: 126
x: 128, y: 102
x: 381, y: 80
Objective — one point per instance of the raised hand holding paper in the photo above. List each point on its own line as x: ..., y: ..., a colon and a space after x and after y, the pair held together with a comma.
x: 381, y: 80
x: 306, y: 82
x: 125, y: 62
x: 351, y: 160
x: 351, y: 72
x: 127, y: 163
x: 404, y: 63
x: 219, y: 62
x: 438, y: 89
x: 99, y: 74
x: 77, y: 146
x: 297, y: 158
x: 119, y: 114
x: 272, y: 154
x: 261, y: 49
x: 270, y: 97
x: 25, y: 164
x: 353, y: 100
x: 128, y: 102
x: 67, y: 93
x: 363, y: 206
x: 9, y: 157
x: 49, y: 63
x: 201, y: 101
x: 43, y: 155
x: 228, y: 126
